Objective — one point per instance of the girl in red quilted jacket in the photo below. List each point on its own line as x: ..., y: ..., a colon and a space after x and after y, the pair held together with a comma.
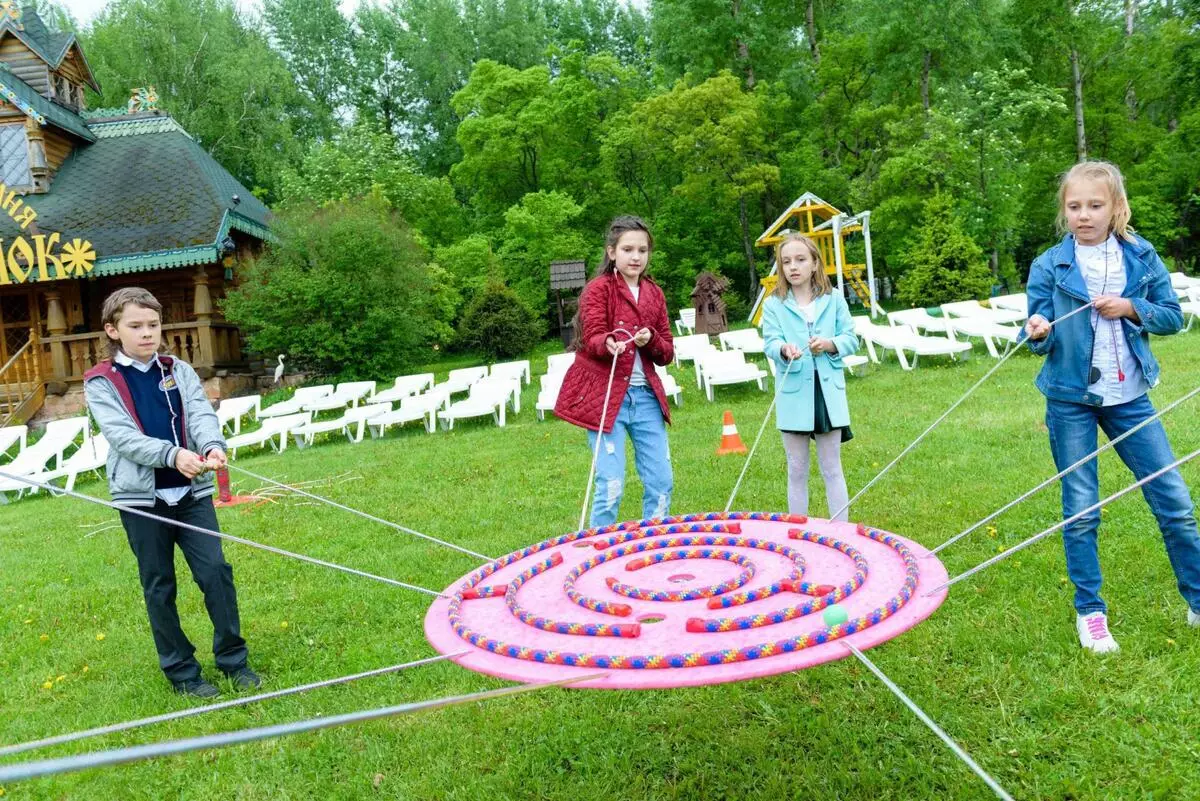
x: 622, y: 316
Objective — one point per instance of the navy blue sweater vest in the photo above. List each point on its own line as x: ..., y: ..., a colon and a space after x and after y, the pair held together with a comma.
x: 151, y: 391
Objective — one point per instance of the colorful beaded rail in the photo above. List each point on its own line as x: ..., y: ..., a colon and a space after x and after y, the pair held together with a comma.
x: 560, y: 627
x: 686, y: 659
x: 697, y: 625
x: 640, y: 594
x: 640, y: 546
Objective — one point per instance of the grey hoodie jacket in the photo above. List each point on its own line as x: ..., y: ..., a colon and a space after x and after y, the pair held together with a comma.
x: 133, y: 455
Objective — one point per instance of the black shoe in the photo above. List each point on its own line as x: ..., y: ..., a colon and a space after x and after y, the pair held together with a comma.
x: 244, y: 679
x: 196, y: 688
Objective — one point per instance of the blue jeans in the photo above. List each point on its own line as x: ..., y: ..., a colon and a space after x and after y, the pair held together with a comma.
x: 640, y: 418
x: 1072, y: 436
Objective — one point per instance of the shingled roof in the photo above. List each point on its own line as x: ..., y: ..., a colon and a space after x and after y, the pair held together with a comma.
x: 30, y: 101
x: 50, y: 46
x: 147, y: 197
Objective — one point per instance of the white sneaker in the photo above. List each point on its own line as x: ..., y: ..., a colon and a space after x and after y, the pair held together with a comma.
x: 1093, y: 633
x: 1193, y: 619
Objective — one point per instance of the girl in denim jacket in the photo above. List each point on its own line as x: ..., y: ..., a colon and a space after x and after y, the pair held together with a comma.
x: 1097, y: 372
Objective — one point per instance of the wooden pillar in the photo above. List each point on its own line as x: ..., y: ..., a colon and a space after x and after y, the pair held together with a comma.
x: 56, y: 324
x: 203, y: 309
x: 39, y: 170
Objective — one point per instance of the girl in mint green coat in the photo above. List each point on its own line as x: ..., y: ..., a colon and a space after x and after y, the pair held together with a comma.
x: 807, y: 330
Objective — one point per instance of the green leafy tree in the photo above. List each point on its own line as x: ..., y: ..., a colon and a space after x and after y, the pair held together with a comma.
x: 715, y: 133
x: 538, y: 230
x: 363, y: 159
x: 317, y: 44
x: 214, y: 73
x: 471, y: 264
x: 346, y: 291
x: 944, y: 264
x: 754, y: 39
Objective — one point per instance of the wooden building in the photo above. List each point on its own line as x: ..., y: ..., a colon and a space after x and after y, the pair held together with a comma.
x: 91, y: 201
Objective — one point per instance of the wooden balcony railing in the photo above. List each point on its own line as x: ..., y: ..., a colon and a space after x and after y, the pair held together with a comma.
x: 201, y: 344
x: 22, y: 389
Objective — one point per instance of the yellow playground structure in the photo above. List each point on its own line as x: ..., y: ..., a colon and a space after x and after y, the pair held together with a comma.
x: 828, y: 227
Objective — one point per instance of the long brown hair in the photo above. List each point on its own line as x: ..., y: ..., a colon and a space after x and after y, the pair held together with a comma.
x: 819, y: 280
x: 114, y: 307
x: 616, y: 229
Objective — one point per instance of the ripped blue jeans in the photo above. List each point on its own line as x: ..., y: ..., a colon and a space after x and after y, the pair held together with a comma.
x: 640, y: 418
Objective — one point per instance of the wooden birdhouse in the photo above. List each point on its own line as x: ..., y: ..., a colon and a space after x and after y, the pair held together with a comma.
x: 567, y: 278
x: 710, y: 308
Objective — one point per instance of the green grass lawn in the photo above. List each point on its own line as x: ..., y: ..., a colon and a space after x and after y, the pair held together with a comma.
x: 997, y: 666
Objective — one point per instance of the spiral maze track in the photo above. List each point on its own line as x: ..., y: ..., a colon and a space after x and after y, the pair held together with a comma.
x: 771, y: 593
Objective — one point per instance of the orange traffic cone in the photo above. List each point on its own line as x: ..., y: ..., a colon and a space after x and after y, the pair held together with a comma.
x: 731, y: 441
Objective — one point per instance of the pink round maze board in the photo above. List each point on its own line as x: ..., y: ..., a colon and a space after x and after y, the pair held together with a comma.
x: 683, y: 601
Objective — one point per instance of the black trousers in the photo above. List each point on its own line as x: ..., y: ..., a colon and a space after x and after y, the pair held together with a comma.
x: 153, y: 544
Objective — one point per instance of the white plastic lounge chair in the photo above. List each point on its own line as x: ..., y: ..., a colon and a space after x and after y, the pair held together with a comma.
x: 272, y: 428
x: 232, y: 410
x: 12, y: 435
x: 722, y: 367
x: 690, y: 348
x: 295, y: 404
x: 490, y: 396
x: 747, y: 340
x: 517, y: 369
x: 415, y: 407
x: 460, y: 380
x: 346, y: 394
x: 975, y: 309
x: 670, y: 385
x: 1191, y: 306
x: 353, y: 424
x: 403, y: 387
x: 548, y: 396
x: 901, y: 340
x: 1182, y: 283
x: 1017, y: 302
x: 969, y: 319
x: 918, y: 320
x: 59, y: 435
x: 91, y: 456
x: 686, y: 324
x: 686, y: 347
x: 559, y: 362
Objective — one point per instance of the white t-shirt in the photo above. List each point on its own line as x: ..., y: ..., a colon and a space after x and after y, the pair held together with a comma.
x: 638, y: 377
x: 1103, y: 269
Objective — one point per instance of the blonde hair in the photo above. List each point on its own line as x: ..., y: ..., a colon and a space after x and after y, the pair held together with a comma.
x: 819, y: 280
x: 114, y: 307
x: 1106, y: 173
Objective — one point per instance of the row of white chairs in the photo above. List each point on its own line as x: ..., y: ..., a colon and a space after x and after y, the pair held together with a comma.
x: 47, y: 460
x: 491, y: 395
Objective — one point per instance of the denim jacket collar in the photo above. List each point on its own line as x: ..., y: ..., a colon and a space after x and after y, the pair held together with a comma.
x: 1070, y: 279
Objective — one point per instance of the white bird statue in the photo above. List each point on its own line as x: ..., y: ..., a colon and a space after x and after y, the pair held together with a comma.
x: 279, y: 369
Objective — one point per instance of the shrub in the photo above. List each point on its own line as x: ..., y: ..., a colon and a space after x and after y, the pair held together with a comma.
x: 944, y: 264
x: 345, y: 291
x: 499, y: 325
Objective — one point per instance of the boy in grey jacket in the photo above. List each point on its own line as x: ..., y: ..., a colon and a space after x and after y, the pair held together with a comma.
x: 153, y: 411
